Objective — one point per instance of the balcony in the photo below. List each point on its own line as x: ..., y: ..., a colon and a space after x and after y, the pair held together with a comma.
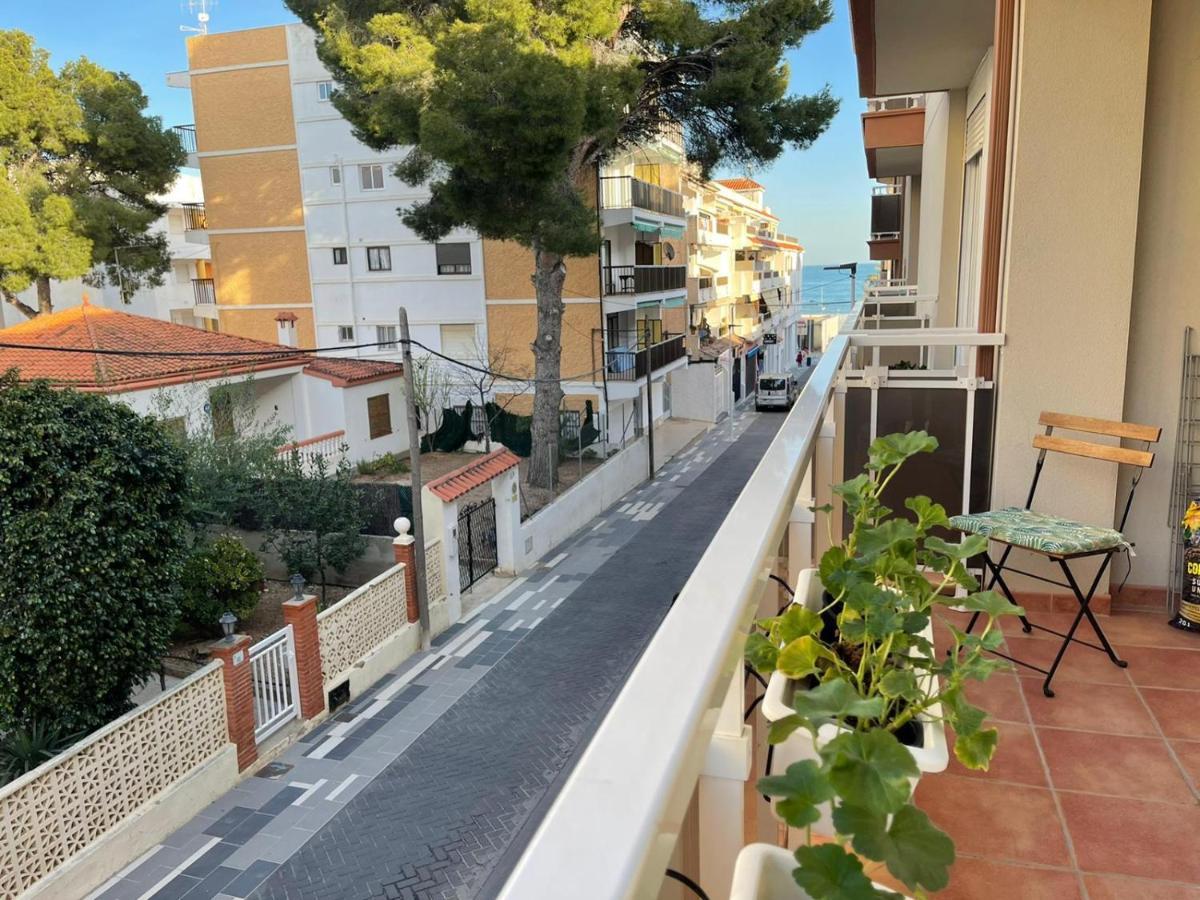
x: 893, y: 139
x: 195, y: 223
x: 709, y: 233
x: 631, y: 280
x: 708, y: 288
x: 204, y: 291
x: 624, y: 192
x: 628, y: 358
x: 883, y: 246
x: 667, y: 780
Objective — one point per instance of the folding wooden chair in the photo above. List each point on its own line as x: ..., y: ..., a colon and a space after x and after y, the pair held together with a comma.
x: 1063, y: 540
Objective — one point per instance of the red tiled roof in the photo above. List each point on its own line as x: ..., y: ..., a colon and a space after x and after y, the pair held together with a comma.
x: 88, y: 328
x: 349, y: 372
x: 287, y: 317
x: 741, y: 184
x: 775, y: 244
x: 454, y: 484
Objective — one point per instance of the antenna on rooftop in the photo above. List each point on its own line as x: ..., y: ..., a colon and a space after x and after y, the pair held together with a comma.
x: 201, y: 10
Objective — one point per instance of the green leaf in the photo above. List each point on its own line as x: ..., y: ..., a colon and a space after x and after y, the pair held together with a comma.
x: 761, y: 653
x: 992, y: 603
x: 929, y: 514
x: 828, y: 871
x: 975, y: 751
x: 900, y: 683
x: 970, y: 545
x: 798, y: 621
x: 870, y: 769
x: 894, y: 534
x: 963, y: 717
x: 893, y: 449
x: 803, y: 787
x: 800, y: 658
x: 782, y: 729
x: 919, y: 853
x: 835, y: 699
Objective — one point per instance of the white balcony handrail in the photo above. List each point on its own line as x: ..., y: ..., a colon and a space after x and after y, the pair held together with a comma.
x: 611, y: 832
x: 924, y: 337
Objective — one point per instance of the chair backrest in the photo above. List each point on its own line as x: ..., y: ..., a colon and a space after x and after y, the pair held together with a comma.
x: 1049, y: 442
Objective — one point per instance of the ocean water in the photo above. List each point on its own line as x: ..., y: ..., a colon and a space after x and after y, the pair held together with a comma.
x: 825, y: 291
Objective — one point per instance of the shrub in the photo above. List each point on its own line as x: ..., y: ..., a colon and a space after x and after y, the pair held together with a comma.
x: 219, y: 576
x: 24, y: 749
x: 388, y: 464
x: 92, y: 534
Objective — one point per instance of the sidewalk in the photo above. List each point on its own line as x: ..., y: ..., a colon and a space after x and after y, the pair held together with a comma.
x: 431, y: 783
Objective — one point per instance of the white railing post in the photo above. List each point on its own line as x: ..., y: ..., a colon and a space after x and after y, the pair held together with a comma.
x: 723, y: 793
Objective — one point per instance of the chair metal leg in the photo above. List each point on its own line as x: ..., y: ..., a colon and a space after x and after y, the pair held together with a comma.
x: 995, y: 570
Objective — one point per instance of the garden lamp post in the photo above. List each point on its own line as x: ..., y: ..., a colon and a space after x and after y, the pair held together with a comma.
x: 228, y: 622
x: 297, y: 582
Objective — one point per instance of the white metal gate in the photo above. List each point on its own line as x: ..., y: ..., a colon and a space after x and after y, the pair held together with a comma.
x: 276, y: 687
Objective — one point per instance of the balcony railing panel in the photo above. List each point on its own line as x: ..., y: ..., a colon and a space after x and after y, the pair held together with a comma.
x: 643, y: 279
x: 625, y: 191
x: 194, y: 217
x: 204, y: 290
x: 627, y: 355
x: 187, y: 136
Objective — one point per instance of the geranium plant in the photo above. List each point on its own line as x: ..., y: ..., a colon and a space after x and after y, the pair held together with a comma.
x: 862, y: 663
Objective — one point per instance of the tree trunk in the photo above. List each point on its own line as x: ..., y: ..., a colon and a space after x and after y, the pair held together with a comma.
x: 25, y: 309
x: 43, y: 294
x: 487, y: 423
x: 549, y: 274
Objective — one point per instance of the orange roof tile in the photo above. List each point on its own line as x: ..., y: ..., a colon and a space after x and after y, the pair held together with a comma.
x: 87, y: 329
x: 348, y: 372
x: 741, y: 184
x: 454, y: 484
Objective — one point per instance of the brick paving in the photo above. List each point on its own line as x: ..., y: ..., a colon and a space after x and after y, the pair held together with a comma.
x: 431, y: 783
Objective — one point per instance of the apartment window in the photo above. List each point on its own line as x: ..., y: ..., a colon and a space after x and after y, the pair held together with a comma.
x: 371, y: 177
x: 453, y: 259
x: 346, y: 334
x: 324, y: 90
x: 339, y: 256
x: 458, y: 342
x: 379, y: 416
x: 335, y: 174
x: 385, y: 337
x: 379, y: 259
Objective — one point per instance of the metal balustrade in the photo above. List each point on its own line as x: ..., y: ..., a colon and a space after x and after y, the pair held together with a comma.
x: 203, y: 290
x: 625, y: 191
x: 194, y: 217
x: 643, y: 279
x: 187, y: 136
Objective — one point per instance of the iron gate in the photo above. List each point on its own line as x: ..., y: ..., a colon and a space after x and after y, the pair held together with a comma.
x: 476, y: 542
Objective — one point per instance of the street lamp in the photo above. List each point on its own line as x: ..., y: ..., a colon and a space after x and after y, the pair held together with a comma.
x: 228, y: 622
x: 853, y: 269
x: 297, y: 581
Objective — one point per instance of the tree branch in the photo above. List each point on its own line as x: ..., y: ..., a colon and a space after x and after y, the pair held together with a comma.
x: 26, y: 310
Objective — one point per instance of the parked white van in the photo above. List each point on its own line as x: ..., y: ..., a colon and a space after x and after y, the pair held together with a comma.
x: 776, y: 390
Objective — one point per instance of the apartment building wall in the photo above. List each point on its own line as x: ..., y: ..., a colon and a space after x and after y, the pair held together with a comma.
x: 246, y: 145
x: 1070, y: 236
x: 1168, y: 235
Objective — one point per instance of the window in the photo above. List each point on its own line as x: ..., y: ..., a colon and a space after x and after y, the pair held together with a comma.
x: 379, y: 259
x: 339, y: 256
x: 379, y: 416
x: 385, y: 337
x: 335, y: 174
x: 453, y: 259
x: 324, y: 90
x: 371, y: 177
x: 346, y: 334
x: 458, y: 342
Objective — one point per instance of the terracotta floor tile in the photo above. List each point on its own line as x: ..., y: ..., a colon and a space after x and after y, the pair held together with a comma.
x: 1118, y: 887
x: 1016, y: 760
x: 981, y: 879
x: 1079, y: 663
x: 1133, y: 837
x: 1139, y: 629
x: 1164, y: 667
x: 998, y: 821
x: 1108, y: 708
x: 1000, y: 696
x: 1176, y: 712
x: 1113, y: 764
x: 1189, y: 755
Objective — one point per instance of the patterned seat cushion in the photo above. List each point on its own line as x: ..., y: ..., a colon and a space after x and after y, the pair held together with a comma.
x: 1038, y: 531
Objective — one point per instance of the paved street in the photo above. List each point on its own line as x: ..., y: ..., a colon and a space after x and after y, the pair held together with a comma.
x: 431, y: 784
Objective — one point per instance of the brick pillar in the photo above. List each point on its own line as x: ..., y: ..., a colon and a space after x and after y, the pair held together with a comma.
x: 301, y: 614
x: 404, y: 548
x: 239, y: 695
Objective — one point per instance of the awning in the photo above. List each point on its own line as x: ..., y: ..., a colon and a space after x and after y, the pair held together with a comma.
x: 773, y: 244
x: 660, y: 228
x: 671, y: 231
x: 674, y: 302
x: 639, y: 225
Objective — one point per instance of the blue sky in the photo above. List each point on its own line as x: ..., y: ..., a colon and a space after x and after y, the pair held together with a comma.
x: 822, y: 195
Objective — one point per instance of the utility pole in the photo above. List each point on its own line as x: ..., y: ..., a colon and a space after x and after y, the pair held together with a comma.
x: 649, y: 399
x: 414, y: 464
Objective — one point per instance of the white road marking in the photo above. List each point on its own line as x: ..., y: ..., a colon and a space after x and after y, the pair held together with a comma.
x: 598, y: 525
x: 535, y: 623
x: 513, y: 625
x: 674, y: 477
x: 323, y: 750
x: 549, y: 581
x: 538, y: 605
x: 441, y: 662
x: 312, y: 790
x: 375, y: 707
x: 554, y: 605
x: 469, y: 632
x: 554, y: 562
x: 478, y: 639
x: 155, y: 888
x: 516, y: 604
x: 337, y: 791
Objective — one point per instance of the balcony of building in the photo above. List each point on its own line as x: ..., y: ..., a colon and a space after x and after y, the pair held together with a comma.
x: 893, y: 136
x: 668, y: 781
x: 709, y: 232
x: 708, y: 288
x: 638, y: 279
x: 195, y: 223
x: 204, y: 291
x: 628, y: 356
x: 187, y: 137
x: 626, y: 200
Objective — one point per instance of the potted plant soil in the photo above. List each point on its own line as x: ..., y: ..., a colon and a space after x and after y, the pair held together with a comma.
x: 858, y: 696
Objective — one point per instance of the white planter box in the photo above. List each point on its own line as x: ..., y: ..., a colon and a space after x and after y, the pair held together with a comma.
x: 764, y: 872
x: 932, y: 756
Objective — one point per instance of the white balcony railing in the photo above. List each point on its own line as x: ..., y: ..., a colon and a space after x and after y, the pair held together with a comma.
x: 900, y: 101
x: 675, y: 732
